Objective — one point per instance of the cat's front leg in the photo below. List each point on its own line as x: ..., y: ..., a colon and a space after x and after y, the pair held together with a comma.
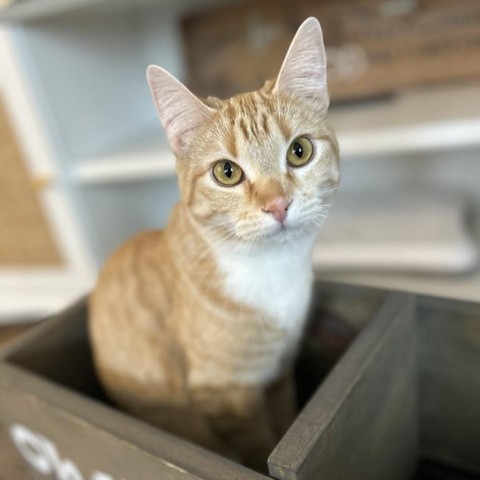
x: 240, y: 416
x: 282, y: 402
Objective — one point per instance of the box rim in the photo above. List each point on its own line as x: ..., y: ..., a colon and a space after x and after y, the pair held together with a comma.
x: 173, y: 453
x: 288, y: 462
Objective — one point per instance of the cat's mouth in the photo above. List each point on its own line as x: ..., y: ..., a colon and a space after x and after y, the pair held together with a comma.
x: 291, y: 229
x: 265, y: 232
x: 279, y: 233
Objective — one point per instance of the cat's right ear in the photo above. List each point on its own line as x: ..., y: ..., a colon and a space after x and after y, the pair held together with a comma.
x: 304, y: 69
x: 180, y: 111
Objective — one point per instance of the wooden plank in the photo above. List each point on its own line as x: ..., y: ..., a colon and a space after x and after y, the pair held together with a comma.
x: 450, y: 382
x: 11, y: 330
x: 44, y: 330
x: 362, y: 422
x: 95, y: 437
x: 11, y: 465
x: 371, y: 48
x: 43, y: 390
x: 56, y: 435
x: 362, y: 412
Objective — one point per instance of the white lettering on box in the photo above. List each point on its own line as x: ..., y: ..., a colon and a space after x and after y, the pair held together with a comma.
x: 43, y: 456
x: 31, y: 446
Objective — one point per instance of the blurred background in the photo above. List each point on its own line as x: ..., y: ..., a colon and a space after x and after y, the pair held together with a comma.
x: 84, y: 163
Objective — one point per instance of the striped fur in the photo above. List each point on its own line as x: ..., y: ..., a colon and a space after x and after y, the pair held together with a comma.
x: 194, y: 328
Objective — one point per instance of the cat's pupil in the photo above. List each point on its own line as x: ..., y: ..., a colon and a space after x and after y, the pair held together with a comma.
x: 228, y: 170
x: 297, y: 150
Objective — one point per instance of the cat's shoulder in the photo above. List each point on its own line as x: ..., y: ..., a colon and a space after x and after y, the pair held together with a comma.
x: 143, y: 247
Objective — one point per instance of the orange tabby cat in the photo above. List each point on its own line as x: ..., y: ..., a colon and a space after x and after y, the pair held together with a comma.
x: 195, y: 328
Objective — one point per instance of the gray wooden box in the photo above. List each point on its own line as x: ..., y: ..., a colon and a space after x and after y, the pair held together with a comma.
x: 408, y: 387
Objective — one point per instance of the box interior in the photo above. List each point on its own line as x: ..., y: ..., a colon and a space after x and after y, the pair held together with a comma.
x: 62, y: 355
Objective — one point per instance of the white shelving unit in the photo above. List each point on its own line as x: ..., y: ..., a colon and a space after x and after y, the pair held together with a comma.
x: 75, y: 77
x: 415, y: 122
x: 73, y: 74
x: 445, y: 118
x: 144, y: 158
x: 465, y: 287
x: 27, y: 10
x: 26, y: 294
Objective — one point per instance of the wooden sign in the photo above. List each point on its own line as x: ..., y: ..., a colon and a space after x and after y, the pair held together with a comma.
x: 374, y: 47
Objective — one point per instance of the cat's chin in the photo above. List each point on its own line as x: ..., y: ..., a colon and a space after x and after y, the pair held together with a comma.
x: 277, y: 235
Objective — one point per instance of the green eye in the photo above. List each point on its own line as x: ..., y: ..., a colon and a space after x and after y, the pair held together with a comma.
x: 300, y: 152
x: 227, y: 173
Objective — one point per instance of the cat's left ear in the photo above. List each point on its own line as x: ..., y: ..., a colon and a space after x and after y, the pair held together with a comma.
x: 304, y: 69
x: 180, y: 111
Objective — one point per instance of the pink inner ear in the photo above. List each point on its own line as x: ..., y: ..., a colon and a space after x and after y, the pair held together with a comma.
x: 304, y: 69
x: 180, y: 111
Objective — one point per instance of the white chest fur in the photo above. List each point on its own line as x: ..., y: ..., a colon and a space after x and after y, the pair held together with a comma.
x: 273, y: 279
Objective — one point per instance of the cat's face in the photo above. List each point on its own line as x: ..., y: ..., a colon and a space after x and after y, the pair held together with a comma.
x: 263, y: 169
x: 262, y: 166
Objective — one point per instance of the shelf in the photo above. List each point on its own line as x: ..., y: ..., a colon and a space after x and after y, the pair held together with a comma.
x: 30, y: 294
x: 415, y: 122
x: 27, y: 10
x: 22, y: 10
x: 438, y: 257
x: 141, y: 158
x: 149, y: 161
x: 439, y: 118
x: 461, y: 287
x: 16, y: 11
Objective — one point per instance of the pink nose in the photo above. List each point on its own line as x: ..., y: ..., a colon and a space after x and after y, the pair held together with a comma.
x: 278, y: 208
